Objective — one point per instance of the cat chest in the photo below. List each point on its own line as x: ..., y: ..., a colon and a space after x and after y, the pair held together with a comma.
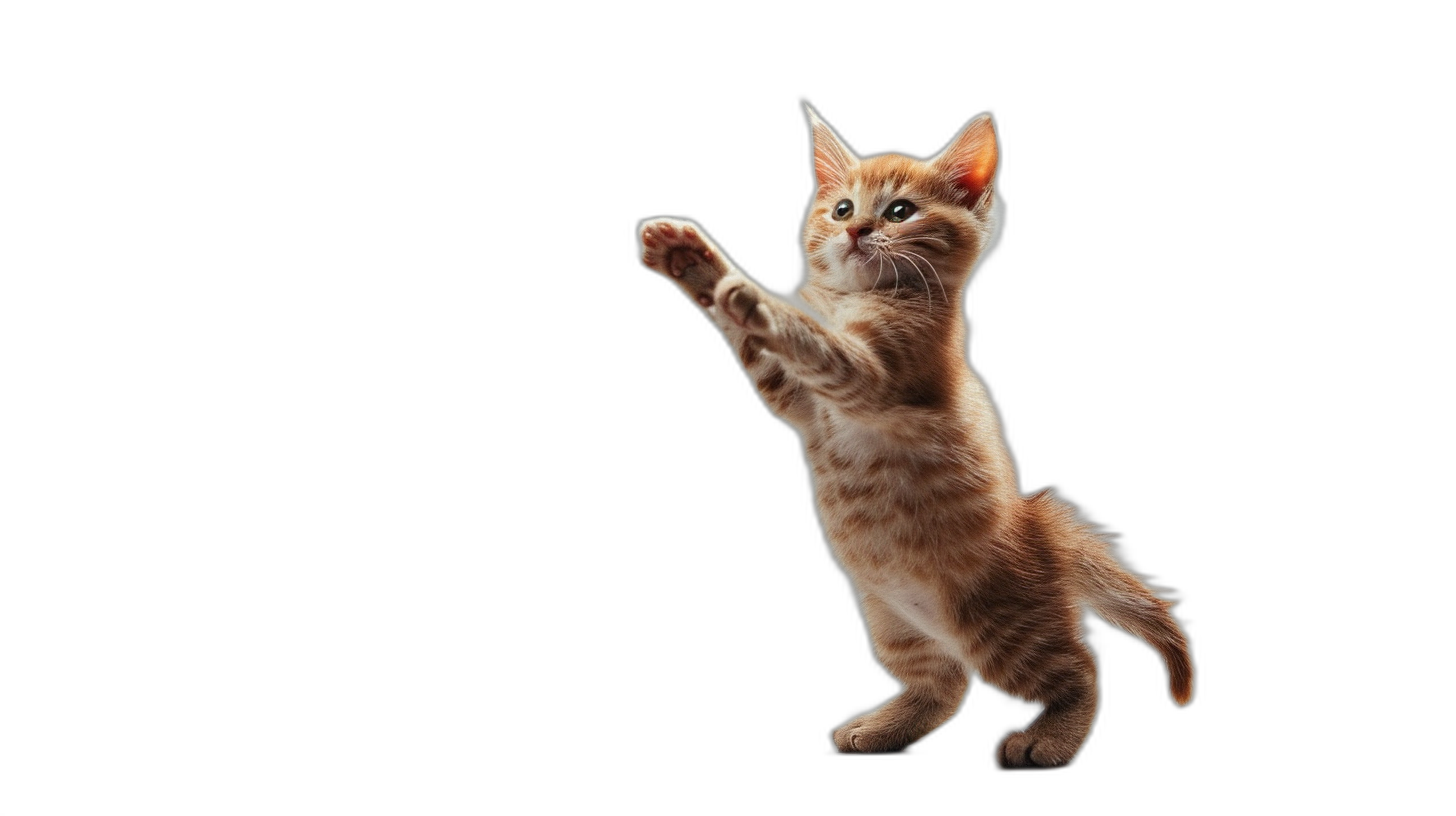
x: 866, y: 478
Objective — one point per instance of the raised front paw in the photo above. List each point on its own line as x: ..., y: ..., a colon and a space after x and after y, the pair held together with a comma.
x: 679, y: 250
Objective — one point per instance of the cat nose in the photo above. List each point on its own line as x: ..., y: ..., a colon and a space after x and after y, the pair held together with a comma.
x: 856, y: 233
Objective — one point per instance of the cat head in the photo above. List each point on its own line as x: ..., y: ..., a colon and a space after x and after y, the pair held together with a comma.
x: 894, y: 223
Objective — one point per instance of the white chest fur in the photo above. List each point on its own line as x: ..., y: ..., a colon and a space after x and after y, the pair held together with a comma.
x: 916, y: 604
x: 860, y: 441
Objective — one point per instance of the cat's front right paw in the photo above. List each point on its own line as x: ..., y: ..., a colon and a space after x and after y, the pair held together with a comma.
x: 679, y: 250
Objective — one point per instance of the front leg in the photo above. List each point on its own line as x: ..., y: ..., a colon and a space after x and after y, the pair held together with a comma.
x: 838, y: 367
x: 681, y: 251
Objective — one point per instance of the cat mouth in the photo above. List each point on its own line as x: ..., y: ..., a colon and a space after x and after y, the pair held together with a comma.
x: 872, y: 260
x: 881, y: 266
x: 855, y: 252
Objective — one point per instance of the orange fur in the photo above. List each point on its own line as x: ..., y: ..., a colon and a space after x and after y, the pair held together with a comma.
x: 956, y: 570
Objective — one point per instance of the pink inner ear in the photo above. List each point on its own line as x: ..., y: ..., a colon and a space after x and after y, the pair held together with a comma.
x: 976, y: 174
x: 971, y: 160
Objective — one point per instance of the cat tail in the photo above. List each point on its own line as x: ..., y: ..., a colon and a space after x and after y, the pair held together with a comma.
x: 1127, y: 603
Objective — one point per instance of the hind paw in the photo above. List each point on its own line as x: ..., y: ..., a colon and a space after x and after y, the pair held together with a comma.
x: 1021, y: 749
x: 865, y: 736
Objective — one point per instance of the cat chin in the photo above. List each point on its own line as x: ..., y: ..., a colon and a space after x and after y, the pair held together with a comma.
x: 858, y: 278
x: 865, y: 272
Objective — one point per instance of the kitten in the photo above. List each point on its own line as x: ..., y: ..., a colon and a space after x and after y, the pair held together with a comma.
x: 955, y: 569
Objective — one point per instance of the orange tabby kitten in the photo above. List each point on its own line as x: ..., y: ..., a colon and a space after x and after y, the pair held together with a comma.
x: 956, y: 570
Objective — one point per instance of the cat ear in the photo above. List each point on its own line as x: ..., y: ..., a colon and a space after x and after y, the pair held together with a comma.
x: 832, y: 159
x: 970, y: 159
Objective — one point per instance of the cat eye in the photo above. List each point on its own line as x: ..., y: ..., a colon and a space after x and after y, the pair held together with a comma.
x: 843, y: 210
x: 899, y: 210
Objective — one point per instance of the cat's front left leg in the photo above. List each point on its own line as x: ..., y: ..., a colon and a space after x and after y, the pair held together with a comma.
x: 680, y: 250
x: 683, y: 252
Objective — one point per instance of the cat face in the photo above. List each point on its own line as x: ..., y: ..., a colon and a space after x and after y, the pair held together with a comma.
x: 894, y: 223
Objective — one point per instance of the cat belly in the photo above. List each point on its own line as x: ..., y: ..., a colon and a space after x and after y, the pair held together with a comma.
x: 903, y: 517
x: 918, y: 604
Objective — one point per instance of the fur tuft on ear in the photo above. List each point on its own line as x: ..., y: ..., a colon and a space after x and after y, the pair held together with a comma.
x: 833, y: 160
x: 970, y: 159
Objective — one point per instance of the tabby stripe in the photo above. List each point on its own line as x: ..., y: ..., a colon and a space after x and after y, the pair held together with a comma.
x: 772, y: 381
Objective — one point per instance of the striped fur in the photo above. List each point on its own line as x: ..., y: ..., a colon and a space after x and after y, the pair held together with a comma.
x: 957, y: 572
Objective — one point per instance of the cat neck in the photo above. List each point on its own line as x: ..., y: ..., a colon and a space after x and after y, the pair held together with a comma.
x: 936, y: 305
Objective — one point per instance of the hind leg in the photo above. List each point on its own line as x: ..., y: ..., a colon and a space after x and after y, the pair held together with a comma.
x: 935, y: 682
x: 1066, y: 682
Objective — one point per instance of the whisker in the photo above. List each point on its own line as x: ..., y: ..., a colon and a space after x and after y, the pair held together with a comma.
x: 930, y: 299
x: 934, y: 271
